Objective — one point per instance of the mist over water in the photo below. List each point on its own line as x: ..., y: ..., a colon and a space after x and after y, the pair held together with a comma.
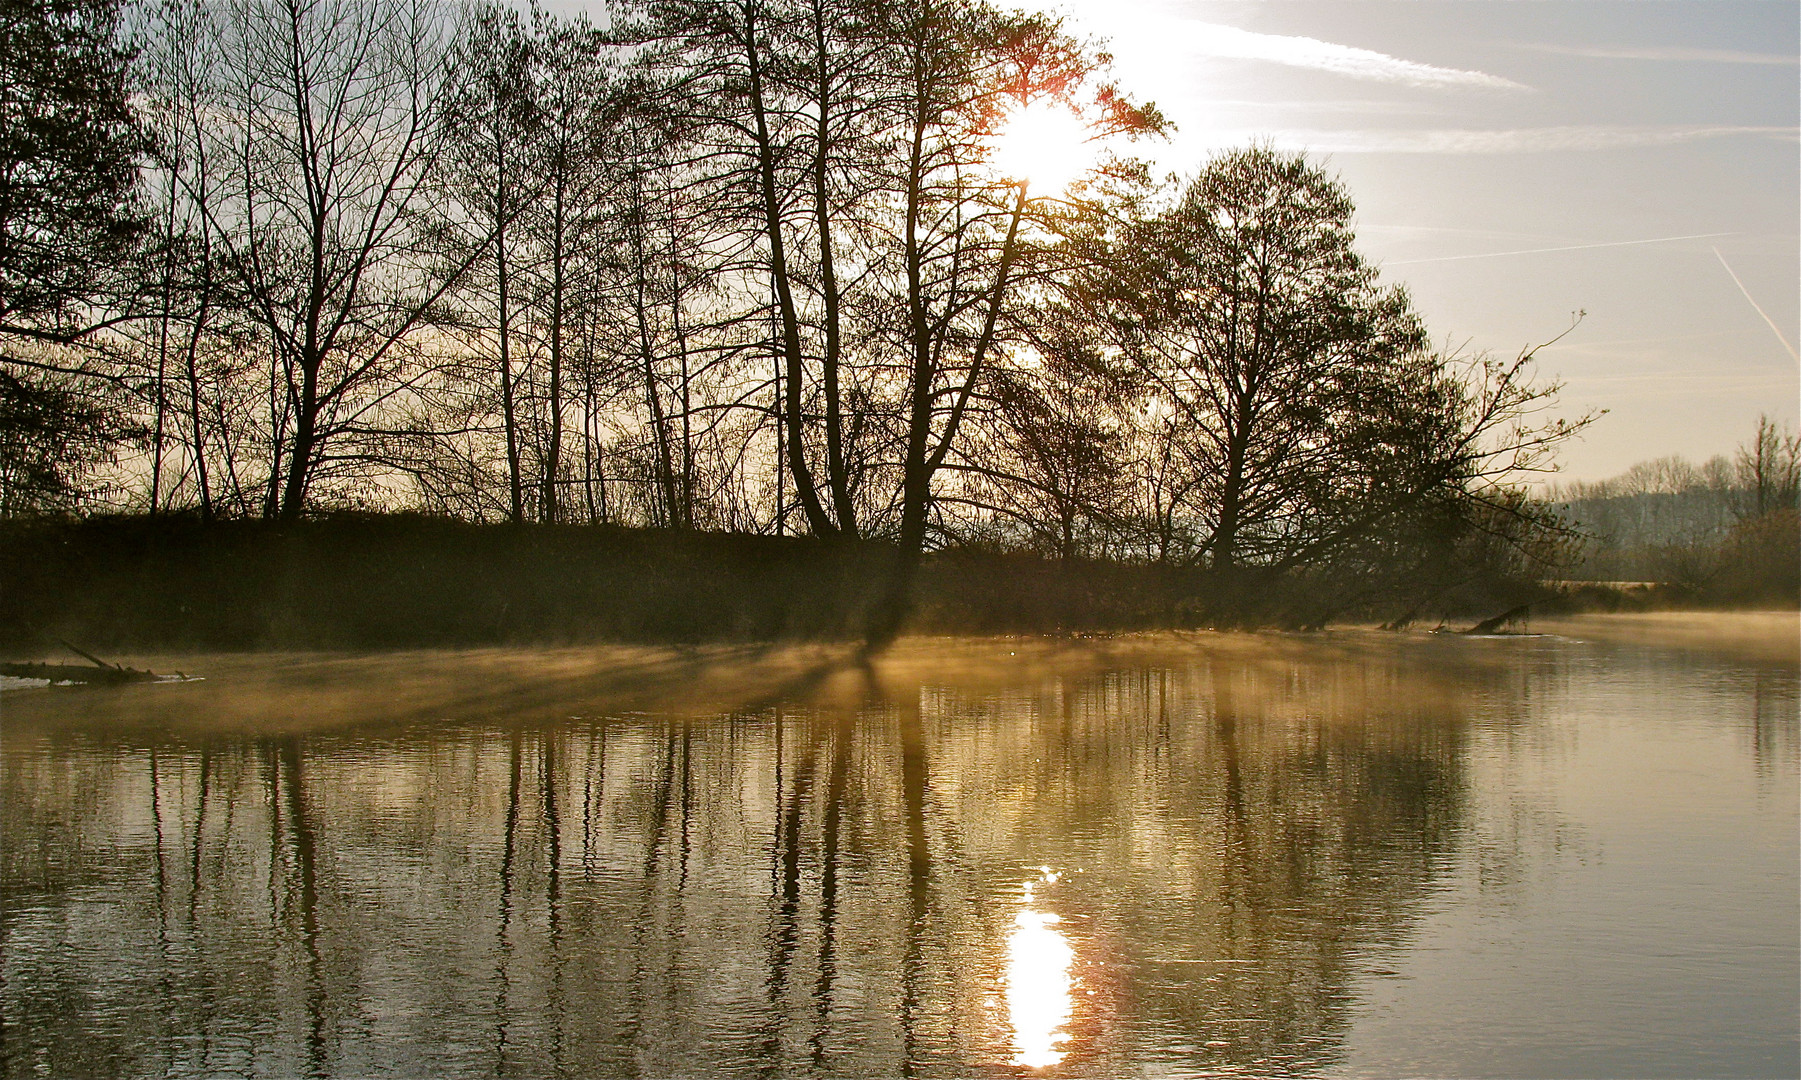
x: 1348, y: 854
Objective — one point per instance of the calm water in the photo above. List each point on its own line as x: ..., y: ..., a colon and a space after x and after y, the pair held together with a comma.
x: 1349, y: 854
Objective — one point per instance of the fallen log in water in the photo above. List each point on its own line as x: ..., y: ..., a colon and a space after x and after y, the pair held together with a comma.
x: 111, y: 675
x: 1493, y: 626
x: 101, y: 674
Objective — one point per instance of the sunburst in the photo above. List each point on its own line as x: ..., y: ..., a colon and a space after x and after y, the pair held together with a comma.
x: 1044, y: 144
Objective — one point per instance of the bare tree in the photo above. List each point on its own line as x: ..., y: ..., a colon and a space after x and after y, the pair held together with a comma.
x: 192, y: 329
x: 325, y: 114
x: 1769, y: 469
x: 489, y: 122
x: 1049, y: 460
x: 577, y: 97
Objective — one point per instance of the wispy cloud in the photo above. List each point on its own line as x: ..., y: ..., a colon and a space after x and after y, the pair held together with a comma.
x: 1345, y: 105
x: 1486, y: 141
x: 1564, y: 247
x: 1213, y: 39
x: 1690, y: 385
x: 1675, y: 53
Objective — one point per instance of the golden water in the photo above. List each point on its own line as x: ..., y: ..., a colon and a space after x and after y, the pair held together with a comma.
x: 1346, y: 854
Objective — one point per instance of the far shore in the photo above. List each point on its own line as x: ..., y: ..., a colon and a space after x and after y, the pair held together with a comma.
x: 133, y: 586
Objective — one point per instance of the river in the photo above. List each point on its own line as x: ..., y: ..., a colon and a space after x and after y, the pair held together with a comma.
x: 1572, y: 853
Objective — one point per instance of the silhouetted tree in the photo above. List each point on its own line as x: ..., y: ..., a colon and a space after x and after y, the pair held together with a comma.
x: 69, y: 223
x: 326, y: 113
x: 852, y: 141
x: 71, y: 236
x: 489, y: 123
x: 1054, y: 463
x: 1308, y: 414
x: 578, y: 96
x: 1248, y: 315
x: 1769, y: 469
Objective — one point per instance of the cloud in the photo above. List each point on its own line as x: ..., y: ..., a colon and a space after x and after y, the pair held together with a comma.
x: 1355, y: 105
x: 1669, y: 52
x: 1213, y: 39
x: 1480, y: 141
x: 1561, y: 247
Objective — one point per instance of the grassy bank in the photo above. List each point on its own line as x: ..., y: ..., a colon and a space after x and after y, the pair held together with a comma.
x: 135, y: 584
x: 396, y: 581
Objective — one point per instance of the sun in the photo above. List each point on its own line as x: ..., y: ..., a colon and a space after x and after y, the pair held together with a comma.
x: 1044, y: 144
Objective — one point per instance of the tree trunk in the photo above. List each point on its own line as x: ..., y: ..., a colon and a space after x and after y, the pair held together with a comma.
x: 300, y: 454
x: 509, y: 416
x: 1231, y: 499
x: 553, y: 454
x: 162, y: 359
x: 653, y: 398
x: 916, y: 481
x: 193, y: 373
x: 685, y: 517
x: 804, y: 488
x: 593, y: 471
x: 837, y: 475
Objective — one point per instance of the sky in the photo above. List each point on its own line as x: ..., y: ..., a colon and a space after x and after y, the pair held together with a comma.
x: 1514, y: 163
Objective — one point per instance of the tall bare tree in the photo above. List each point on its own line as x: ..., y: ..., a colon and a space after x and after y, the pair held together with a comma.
x: 1769, y: 469
x: 578, y: 96
x: 490, y: 120
x: 326, y: 114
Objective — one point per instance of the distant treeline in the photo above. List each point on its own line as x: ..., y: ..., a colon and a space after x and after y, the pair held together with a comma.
x: 1723, y: 530
x: 762, y: 267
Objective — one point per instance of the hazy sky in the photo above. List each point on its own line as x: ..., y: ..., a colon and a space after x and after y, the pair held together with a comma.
x: 1474, y: 135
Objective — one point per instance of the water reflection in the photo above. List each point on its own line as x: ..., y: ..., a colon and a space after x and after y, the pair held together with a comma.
x: 825, y: 885
x: 1038, y: 983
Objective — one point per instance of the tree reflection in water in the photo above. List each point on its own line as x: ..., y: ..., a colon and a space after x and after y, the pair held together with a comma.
x: 827, y: 885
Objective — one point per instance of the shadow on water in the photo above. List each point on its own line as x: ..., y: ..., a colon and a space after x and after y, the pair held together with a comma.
x: 798, y: 864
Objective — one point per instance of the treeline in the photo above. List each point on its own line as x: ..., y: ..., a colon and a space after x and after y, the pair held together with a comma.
x: 347, y: 581
x: 760, y: 266
x: 1725, y: 529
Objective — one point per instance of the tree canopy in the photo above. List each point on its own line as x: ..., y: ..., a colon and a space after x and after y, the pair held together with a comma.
x: 71, y: 232
x: 71, y: 147
x: 1295, y: 388
x: 755, y: 265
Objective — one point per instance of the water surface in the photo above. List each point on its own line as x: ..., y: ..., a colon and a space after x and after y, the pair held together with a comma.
x: 1339, y: 854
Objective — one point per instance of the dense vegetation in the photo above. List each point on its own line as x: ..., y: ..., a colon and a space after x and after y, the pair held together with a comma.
x: 765, y: 267
x: 385, y: 581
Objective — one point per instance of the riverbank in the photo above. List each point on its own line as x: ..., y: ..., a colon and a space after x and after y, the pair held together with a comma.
x: 397, y: 581
x: 136, y: 585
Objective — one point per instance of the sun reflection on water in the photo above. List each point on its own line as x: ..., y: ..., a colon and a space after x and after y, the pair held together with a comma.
x: 1038, y: 983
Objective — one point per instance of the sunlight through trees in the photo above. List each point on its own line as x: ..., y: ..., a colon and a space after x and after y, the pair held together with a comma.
x: 856, y: 270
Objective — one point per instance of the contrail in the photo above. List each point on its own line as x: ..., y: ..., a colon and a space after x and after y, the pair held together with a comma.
x: 1214, y: 39
x: 1571, y: 247
x: 1760, y: 311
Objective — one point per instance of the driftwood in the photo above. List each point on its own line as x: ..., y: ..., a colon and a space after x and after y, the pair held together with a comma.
x: 78, y: 673
x: 1493, y: 626
x: 102, y: 673
x: 1401, y: 622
